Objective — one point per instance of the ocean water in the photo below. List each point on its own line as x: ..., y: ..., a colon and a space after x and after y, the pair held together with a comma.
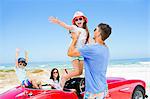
x: 140, y: 62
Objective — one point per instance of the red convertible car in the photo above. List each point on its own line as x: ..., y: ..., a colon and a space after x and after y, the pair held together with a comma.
x: 119, y: 88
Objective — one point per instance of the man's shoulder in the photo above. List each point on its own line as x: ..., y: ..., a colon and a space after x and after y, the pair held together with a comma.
x: 91, y: 45
x: 95, y: 46
x: 87, y: 47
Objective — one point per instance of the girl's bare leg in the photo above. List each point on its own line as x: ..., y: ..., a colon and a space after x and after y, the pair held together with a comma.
x: 78, y: 69
x: 35, y: 85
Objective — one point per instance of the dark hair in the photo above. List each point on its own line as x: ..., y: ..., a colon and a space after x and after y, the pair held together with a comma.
x: 51, y: 77
x: 23, y: 60
x: 105, y: 30
x: 87, y: 31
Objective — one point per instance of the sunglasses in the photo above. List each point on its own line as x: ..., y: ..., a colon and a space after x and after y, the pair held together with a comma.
x: 96, y: 29
x: 77, y: 19
x: 21, y: 64
x: 55, y: 72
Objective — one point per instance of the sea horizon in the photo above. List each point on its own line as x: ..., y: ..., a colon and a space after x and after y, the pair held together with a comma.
x: 131, y: 62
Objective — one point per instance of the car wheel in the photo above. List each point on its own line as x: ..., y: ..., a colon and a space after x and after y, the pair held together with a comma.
x: 82, y: 85
x: 138, y: 93
x: 76, y: 83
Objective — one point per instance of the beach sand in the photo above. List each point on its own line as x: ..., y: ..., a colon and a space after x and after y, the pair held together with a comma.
x: 8, y: 78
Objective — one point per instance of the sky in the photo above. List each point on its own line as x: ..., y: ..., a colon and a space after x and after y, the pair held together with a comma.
x: 24, y: 24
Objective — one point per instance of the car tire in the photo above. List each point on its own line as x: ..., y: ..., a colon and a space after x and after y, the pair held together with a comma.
x: 138, y: 93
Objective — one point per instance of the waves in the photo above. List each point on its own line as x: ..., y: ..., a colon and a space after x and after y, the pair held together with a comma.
x: 61, y: 65
x: 144, y: 62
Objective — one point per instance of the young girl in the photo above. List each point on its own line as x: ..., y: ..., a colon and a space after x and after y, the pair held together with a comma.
x: 21, y: 73
x: 79, y: 26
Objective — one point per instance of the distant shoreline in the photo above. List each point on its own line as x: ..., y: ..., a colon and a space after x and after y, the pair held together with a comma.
x: 67, y: 61
x: 140, y: 62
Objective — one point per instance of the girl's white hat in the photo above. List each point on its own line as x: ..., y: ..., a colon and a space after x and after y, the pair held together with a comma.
x: 77, y: 14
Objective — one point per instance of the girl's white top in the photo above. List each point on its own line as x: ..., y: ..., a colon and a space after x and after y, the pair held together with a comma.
x: 21, y: 73
x: 82, y: 37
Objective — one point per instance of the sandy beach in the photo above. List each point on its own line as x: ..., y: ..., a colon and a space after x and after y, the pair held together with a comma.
x: 8, y: 78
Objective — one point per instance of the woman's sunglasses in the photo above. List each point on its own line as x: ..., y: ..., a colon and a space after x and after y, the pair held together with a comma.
x: 79, y: 19
x: 55, y: 72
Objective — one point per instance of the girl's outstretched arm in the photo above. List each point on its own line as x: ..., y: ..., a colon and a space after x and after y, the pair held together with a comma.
x: 57, y: 21
x: 17, y: 54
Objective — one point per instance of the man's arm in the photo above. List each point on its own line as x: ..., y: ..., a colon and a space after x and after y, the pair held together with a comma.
x: 72, y: 51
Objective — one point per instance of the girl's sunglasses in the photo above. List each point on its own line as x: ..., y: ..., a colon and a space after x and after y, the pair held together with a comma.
x: 21, y: 64
x: 79, y: 19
